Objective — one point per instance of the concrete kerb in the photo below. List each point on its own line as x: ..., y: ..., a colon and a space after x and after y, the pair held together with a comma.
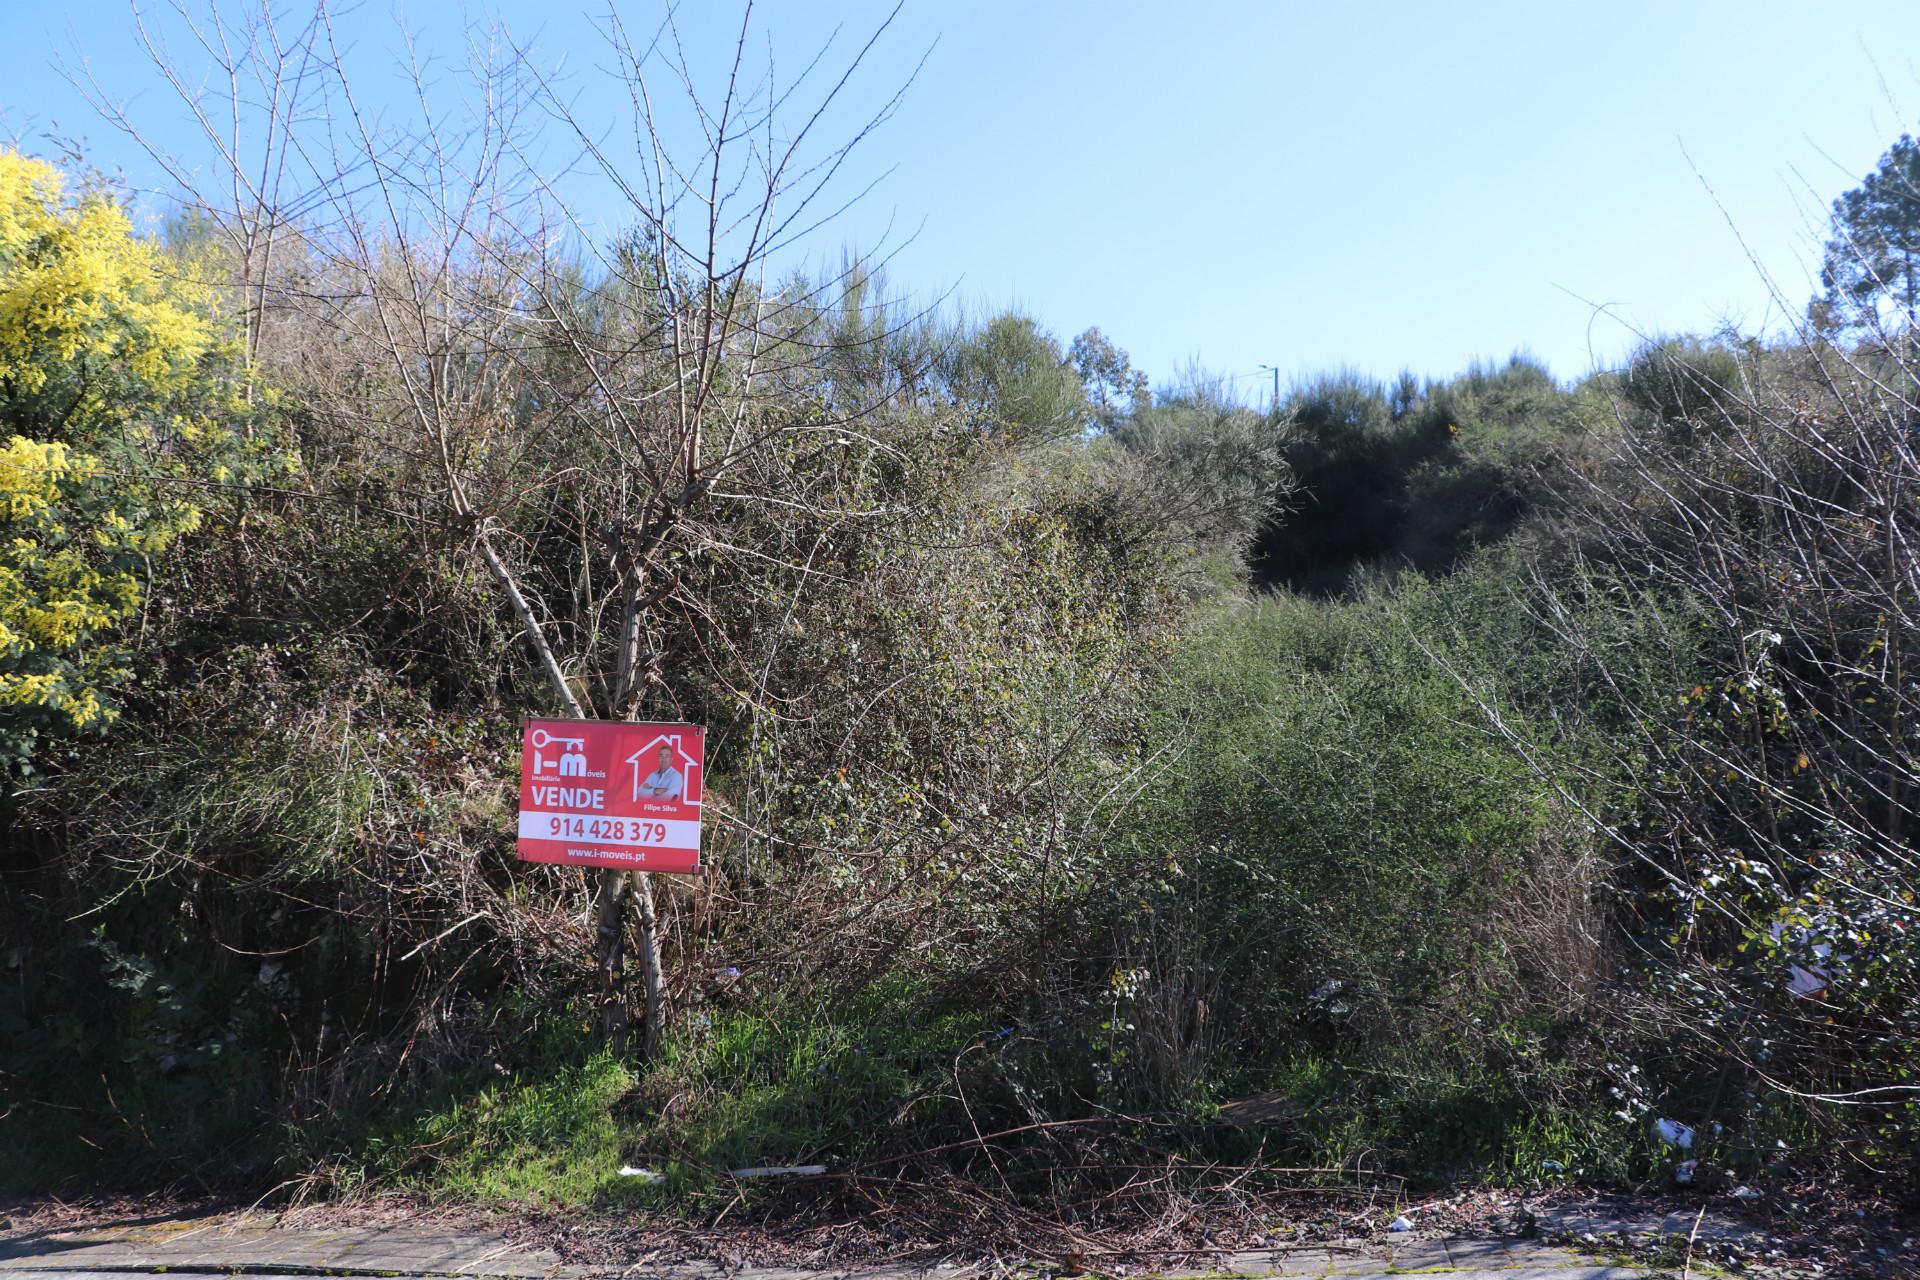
x: 255, y: 1249
x: 250, y: 1250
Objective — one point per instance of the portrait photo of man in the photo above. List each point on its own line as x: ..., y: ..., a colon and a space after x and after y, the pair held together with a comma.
x: 665, y: 782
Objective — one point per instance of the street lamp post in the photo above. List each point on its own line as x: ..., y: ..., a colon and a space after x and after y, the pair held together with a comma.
x: 1276, y: 386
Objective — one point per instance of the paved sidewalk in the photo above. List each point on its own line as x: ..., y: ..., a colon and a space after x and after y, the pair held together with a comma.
x: 251, y: 1246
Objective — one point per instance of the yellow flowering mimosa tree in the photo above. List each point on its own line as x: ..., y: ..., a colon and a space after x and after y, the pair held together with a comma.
x: 121, y: 409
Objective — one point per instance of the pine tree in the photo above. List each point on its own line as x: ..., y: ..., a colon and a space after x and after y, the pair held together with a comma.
x: 1871, y: 271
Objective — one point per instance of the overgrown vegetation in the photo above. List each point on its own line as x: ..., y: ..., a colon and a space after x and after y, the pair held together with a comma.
x: 1448, y: 778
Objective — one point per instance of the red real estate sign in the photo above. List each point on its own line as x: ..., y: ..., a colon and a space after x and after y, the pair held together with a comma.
x: 611, y: 793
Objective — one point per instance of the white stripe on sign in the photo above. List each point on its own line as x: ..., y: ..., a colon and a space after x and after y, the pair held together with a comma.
x: 593, y: 828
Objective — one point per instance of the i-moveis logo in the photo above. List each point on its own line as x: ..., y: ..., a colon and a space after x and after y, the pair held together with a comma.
x: 570, y: 762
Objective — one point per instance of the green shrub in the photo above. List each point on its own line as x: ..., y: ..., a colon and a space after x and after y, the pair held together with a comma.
x: 1326, y: 854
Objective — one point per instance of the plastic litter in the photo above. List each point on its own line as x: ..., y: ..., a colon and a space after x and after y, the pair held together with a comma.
x: 1401, y: 1223
x: 1673, y: 1133
x: 1552, y: 1166
x: 645, y: 1175
x: 1683, y: 1172
x: 781, y: 1171
x: 1745, y: 1193
x: 1805, y: 983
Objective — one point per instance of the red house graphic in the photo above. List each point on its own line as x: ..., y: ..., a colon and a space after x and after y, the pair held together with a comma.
x: 689, y: 766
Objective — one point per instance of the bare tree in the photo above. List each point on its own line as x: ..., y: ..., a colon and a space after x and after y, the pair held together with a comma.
x: 502, y: 351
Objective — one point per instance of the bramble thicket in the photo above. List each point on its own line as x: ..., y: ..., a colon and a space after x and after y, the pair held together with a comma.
x: 1473, y: 769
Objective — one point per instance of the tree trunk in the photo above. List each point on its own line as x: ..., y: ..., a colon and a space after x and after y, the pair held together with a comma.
x: 651, y: 971
x: 610, y: 943
x: 610, y: 928
x: 633, y: 674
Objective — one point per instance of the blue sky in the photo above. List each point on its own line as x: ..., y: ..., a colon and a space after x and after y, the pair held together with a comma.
x: 1301, y: 185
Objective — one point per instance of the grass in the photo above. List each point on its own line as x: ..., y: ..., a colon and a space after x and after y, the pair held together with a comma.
x: 795, y: 1084
x: 784, y: 1084
x: 551, y: 1137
